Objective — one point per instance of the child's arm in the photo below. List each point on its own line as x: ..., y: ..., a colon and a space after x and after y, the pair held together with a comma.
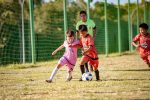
x: 59, y: 48
x: 84, y: 51
x: 75, y: 46
x: 136, y: 45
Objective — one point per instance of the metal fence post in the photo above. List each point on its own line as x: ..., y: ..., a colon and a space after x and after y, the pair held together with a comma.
x: 119, y: 29
x: 88, y: 9
x: 32, y: 31
x: 129, y: 26
x: 65, y: 18
x: 137, y: 16
x: 106, y: 29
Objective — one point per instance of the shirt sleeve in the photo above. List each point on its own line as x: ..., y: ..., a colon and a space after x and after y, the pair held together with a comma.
x: 90, y: 41
x: 93, y: 24
x: 136, y: 38
x: 64, y: 44
x: 77, y: 26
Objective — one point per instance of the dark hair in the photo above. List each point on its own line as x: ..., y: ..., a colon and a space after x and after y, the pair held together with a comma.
x: 82, y: 12
x: 143, y: 25
x: 82, y: 28
x: 69, y: 33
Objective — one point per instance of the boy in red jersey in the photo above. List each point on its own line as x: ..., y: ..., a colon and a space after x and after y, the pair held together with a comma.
x: 144, y: 43
x: 89, y: 53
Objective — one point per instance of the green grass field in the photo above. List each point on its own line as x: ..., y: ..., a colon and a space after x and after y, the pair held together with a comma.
x: 123, y: 77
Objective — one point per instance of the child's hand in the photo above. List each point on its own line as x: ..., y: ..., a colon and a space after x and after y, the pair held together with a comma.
x: 70, y: 45
x: 54, y: 53
x: 83, y: 52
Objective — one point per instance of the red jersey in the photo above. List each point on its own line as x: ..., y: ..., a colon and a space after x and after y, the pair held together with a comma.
x: 87, y: 41
x: 144, y: 41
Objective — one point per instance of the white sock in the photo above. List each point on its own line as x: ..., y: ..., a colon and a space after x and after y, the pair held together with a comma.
x: 69, y: 74
x: 53, y: 73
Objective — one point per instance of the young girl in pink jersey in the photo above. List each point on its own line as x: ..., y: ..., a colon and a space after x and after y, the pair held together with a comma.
x: 143, y: 46
x: 69, y: 58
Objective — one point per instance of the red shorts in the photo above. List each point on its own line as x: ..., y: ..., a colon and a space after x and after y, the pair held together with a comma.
x: 93, y: 62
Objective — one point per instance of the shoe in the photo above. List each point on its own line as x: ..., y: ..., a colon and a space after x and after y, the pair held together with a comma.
x: 69, y: 79
x: 80, y: 79
x: 48, y: 81
x: 98, y: 80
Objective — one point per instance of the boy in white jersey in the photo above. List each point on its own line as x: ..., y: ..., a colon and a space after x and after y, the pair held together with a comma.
x: 69, y: 58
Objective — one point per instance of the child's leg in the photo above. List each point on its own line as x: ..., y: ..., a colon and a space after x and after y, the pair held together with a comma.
x: 69, y: 76
x: 147, y: 59
x: 83, y: 61
x: 55, y: 71
x: 70, y: 70
x: 148, y: 63
x: 82, y: 69
x: 94, y: 64
x: 97, y: 74
x: 86, y: 67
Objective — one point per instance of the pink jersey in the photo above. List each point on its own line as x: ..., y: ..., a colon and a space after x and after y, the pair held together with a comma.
x: 143, y: 41
x: 70, y: 53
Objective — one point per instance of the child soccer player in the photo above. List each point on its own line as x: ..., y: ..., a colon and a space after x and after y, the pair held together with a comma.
x: 143, y: 46
x: 69, y: 58
x: 91, y: 29
x: 88, y: 51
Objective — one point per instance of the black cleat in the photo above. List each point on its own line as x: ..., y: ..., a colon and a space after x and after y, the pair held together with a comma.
x: 48, y: 81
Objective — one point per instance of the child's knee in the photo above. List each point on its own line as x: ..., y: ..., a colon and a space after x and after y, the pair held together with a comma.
x: 58, y: 66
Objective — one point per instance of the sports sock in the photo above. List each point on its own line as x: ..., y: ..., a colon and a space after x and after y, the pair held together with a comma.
x: 82, y: 69
x: 53, y: 73
x: 97, y: 75
x: 86, y: 67
x: 69, y: 75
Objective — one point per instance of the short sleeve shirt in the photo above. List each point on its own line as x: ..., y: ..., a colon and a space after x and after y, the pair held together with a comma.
x: 87, y: 41
x: 71, y: 53
x: 143, y: 40
x: 90, y: 25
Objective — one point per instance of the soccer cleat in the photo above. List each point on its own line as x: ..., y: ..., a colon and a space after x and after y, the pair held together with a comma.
x: 80, y: 79
x: 98, y: 80
x: 48, y: 81
x: 69, y: 79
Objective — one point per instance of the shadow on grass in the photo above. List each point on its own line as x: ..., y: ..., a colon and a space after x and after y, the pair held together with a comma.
x: 131, y: 70
x: 135, y: 79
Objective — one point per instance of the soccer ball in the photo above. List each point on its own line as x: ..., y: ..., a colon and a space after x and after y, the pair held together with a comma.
x: 87, y: 76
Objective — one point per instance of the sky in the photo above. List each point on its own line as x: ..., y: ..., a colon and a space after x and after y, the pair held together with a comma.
x: 115, y: 1
x: 110, y: 1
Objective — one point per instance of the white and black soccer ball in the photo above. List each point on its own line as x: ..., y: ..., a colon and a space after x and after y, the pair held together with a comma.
x: 87, y: 76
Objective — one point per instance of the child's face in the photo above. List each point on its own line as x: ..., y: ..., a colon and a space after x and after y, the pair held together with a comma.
x: 70, y: 39
x: 143, y: 31
x: 82, y: 33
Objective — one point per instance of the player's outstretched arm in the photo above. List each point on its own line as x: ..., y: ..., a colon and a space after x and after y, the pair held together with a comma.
x: 75, y: 46
x: 59, y: 48
x: 136, y: 45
